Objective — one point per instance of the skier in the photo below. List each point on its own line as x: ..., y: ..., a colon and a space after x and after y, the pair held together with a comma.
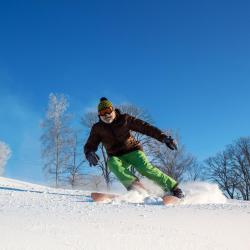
x: 113, y: 131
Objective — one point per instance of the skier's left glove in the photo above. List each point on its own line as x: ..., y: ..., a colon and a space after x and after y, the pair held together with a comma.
x: 92, y: 158
x: 170, y: 142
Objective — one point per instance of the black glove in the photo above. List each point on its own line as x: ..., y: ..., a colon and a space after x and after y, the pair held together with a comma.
x: 92, y: 158
x: 170, y: 142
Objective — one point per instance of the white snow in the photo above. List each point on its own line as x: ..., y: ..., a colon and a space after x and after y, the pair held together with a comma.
x: 36, y: 217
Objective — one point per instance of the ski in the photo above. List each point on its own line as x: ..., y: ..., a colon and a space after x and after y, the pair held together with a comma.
x: 108, y: 197
x: 103, y: 197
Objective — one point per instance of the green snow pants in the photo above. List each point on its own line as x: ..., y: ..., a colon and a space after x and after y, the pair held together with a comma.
x: 119, y: 166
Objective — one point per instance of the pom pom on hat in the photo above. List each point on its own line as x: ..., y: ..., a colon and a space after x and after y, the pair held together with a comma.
x: 103, y: 99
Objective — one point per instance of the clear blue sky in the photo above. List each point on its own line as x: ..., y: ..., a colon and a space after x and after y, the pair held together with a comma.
x: 186, y: 62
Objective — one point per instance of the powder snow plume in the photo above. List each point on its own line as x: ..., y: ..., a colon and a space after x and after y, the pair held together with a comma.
x: 195, y: 193
x: 203, y: 193
x: 151, y: 197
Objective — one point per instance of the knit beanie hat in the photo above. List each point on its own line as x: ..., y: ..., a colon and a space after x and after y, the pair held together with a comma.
x: 104, y: 103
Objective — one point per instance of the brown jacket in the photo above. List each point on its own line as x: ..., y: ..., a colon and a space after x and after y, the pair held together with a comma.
x: 116, y: 136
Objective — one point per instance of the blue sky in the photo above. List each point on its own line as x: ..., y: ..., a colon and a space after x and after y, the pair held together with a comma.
x: 186, y: 62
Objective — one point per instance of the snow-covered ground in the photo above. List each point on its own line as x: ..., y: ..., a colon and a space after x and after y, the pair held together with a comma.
x: 36, y: 217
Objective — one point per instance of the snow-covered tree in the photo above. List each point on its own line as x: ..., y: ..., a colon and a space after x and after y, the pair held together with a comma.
x: 5, y: 154
x: 75, y: 165
x: 57, y: 138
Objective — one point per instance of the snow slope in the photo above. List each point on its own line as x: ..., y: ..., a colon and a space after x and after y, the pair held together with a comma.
x: 36, y: 217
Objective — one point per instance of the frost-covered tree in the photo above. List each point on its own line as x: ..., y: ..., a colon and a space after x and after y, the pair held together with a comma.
x: 75, y: 165
x: 5, y: 154
x: 57, y: 138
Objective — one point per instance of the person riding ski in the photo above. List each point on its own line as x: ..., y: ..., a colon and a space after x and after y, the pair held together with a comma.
x: 113, y: 131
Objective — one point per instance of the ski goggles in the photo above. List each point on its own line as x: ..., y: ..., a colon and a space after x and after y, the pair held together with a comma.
x: 106, y: 111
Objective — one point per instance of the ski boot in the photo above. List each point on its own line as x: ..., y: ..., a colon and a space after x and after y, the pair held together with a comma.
x: 177, y: 192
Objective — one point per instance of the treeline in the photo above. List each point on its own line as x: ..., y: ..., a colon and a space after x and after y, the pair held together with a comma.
x: 230, y: 169
x: 64, y: 162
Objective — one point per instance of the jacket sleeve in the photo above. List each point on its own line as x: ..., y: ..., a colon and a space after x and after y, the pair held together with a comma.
x: 145, y: 128
x: 92, y: 142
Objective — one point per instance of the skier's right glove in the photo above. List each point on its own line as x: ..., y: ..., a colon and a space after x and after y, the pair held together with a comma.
x: 170, y: 142
x: 92, y: 158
